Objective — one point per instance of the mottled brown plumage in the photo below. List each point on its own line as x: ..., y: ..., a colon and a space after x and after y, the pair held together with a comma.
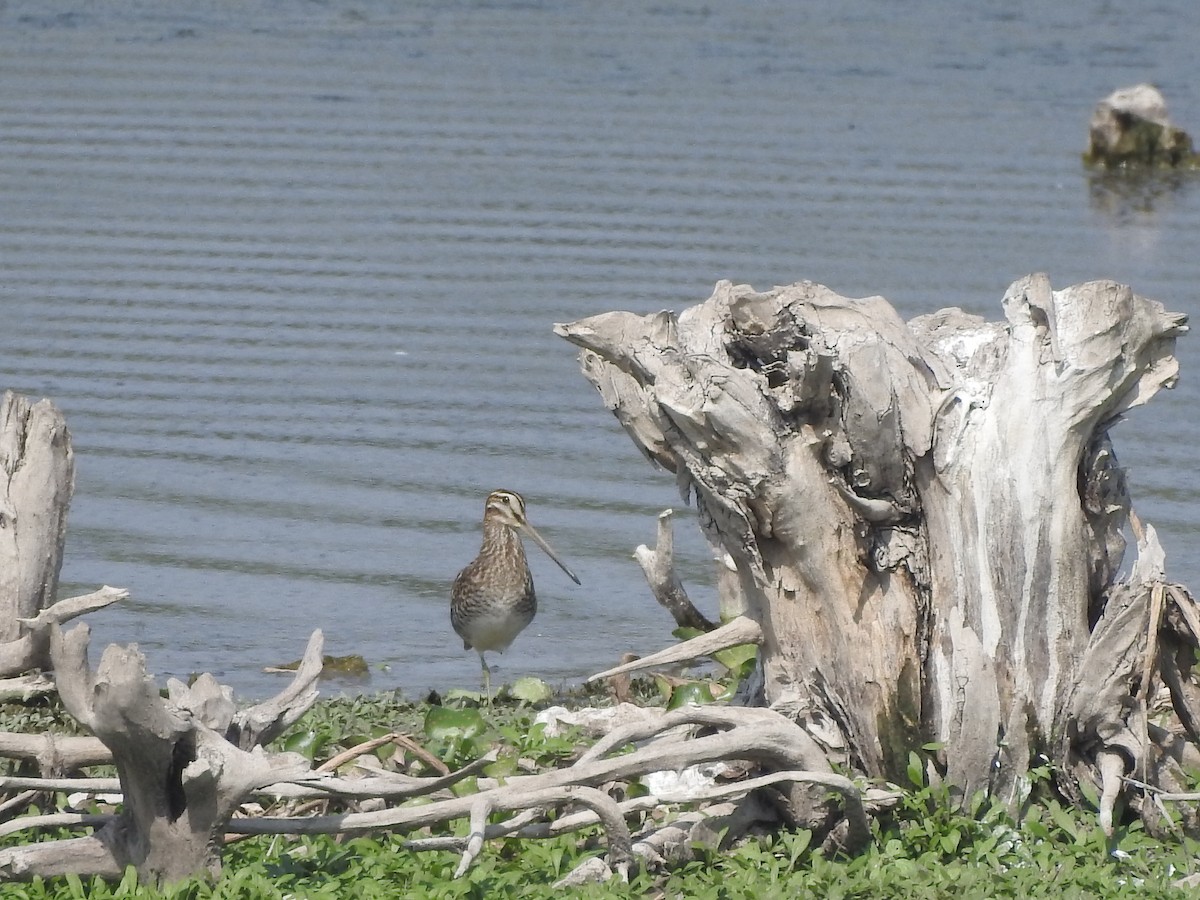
x: 492, y: 600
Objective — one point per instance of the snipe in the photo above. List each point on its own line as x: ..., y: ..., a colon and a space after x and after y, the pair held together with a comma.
x: 492, y: 600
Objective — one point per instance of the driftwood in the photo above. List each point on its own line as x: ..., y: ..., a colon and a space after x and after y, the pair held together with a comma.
x: 180, y: 802
x: 37, y: 477
x: 925, y: 520
x: 658, y: 565
x: 926, y: 517
x: 29, y: 650
x: 185, y: 763
x: 1130, y: 129
x: 757, y: 735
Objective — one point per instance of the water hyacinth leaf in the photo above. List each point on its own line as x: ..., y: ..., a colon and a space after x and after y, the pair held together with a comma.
x: 531, y: 690
x: 663, y: 685
x: 686, y: 633
x: 503, y: 767
x: 697, y: 692
x: 307, y: 743
x: 736, y: 658
x: 465, y: 787
x: 636, y: 788
x: 443, y: 723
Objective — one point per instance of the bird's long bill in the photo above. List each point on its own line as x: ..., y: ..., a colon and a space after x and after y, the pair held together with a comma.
x: 541, y: 542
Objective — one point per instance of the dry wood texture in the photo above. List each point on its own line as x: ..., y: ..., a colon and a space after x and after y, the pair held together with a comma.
x: 185, y: 762
x: 926, y: 517
x: 37, y: 477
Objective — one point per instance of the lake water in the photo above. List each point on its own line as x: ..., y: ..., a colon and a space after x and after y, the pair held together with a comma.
x: 290, y: 269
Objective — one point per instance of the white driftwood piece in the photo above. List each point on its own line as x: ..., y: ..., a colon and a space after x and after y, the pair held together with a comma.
x: 757, y: 735
x: 185, y: 763
x: 37, y: 477
x: 29, y: 650
x: 925, y: 517
x: 658, y: 565
x: 751, y: 736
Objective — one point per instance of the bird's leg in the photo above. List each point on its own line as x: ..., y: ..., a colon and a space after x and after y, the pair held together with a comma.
x: 487, y: 680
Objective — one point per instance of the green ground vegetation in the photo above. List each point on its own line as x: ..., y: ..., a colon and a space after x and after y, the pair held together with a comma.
x: 924, y: 848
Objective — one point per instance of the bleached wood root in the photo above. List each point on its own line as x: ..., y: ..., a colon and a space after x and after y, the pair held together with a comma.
x: 180, y: 765
x: 741, y: 630
x: 262, y: 723
x: 658, y: 565
x: 55, y: 753
x: 24, y: 688
x: 90, y: 854
x: 28, y: 651
x: 606, y: 810
x: 758, y: 735
x: 71, y: 785
x: 73, y: 607
x: 314, y: 785
x: 1149, y: 630
x: 926, y: 517
x: 56, y: 820
x: 1112, y: 769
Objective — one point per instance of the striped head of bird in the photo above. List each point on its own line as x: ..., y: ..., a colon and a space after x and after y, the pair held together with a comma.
x: 507, y: 508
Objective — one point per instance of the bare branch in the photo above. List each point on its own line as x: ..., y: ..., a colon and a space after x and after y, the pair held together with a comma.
x: 56, y: 820
x: 263, y: 723
x: 73, y: 607
x: 55, y: 753
x: 658, y: 565
x: 742, y: 630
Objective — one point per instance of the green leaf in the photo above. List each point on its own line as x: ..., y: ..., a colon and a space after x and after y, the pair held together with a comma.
x: 799, y: 843
x: 692, y: 692
x: 1063, y: 820
x: 503, y: 767
x: 686, y: 633
x: 734, y: 658
x: 307, y: 743
x: 916, y: 770
x: 663, y: 685
x: 1089, y: 793
x: 443, y: 723
x: 531, y: 690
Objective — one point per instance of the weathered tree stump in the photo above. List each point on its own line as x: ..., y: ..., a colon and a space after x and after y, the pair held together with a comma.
x: 37, y: 477
x: 185, y: 763
x: 926, y: 517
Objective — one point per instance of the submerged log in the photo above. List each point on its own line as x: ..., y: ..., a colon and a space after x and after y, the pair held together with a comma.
x: 1130, y: 129
x: 925, y: 517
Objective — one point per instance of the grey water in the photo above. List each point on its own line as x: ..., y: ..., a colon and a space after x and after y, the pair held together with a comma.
x: 290, y: 270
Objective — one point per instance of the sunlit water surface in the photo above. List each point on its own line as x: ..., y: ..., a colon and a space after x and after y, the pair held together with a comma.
x: 291, y: 270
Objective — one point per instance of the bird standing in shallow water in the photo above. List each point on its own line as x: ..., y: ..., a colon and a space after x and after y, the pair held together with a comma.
x: 492, y: 600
